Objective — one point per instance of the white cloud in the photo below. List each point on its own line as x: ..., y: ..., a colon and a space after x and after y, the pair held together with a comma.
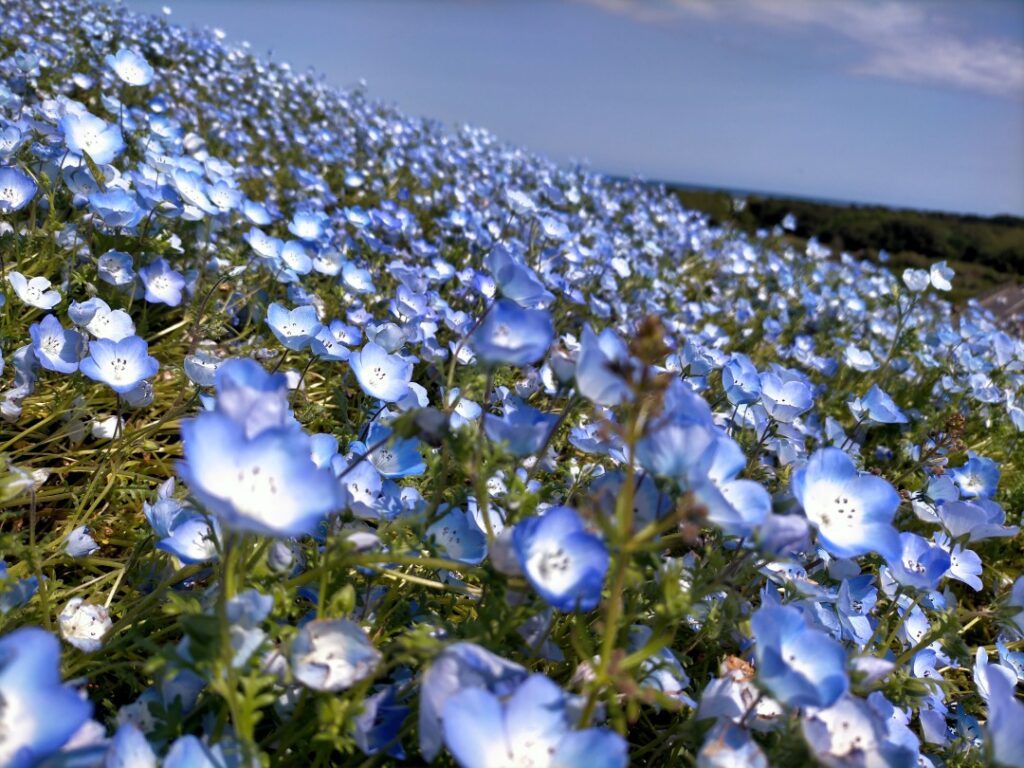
x: 901, y: 40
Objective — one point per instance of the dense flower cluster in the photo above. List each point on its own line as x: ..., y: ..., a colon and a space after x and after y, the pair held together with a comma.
x: 333, y: 436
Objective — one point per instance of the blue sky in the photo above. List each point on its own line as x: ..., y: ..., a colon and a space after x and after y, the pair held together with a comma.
x: 901, y: 102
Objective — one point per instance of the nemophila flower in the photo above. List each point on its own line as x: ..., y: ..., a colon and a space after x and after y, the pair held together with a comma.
x: 330, y: 341
x: 736, y: 506
x: 201, y: 367
x: 307, y: 225
x: 512, y: 335
x: 859, y: 359
x: 916, y: 280
x: 920, y: 564
x: 189, y: 752
x: 380, y: 375
x: 1014, y: 605
x: 396, y: 457
x: 977, y: 520
x: 728, y: 745
x: 83, y: 624
x: 851, y: 732
x: 855, y: 603
x: 294, y: 328
x: 97, y: 317
x: 379, y: 725
x: 17, y: 189
x: 533, y: 727
x: 978, y: 477
x: 87, y: 134
x: 131, y: 67
x: 79, y: 543
x: 561, y: 559
x: 265, y: 484
x: 129, y: 749
x: 332, y: 655
x: 784, y: 400
x: 116, y: 207
x: 39, y: 713
x: 251, y: 396
x: 964, y: 564
x: 34, y: 291
x: 515, y: 280
x: 1005, y: 721
x: 740, y: 380
x: 602, y: 365
x: 459, y: 536
x: 852, y: 512
x: 877, y: 407
x: 163, y: 284
x: 15, y: 592
x: 121, y: 365
x: 115, y: 268
x: 800, y: 666
x: 522, y: 430
x: 941, y: 275
x: 357, y: 279
x: 56, y: 348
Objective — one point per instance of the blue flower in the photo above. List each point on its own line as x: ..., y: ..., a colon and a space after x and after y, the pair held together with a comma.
x: 602, y: 361
x: 459, y: 667
x: 296, y: 328
x: 379, y: 725
x: 459, y: 536
x: 512, y: 335
x: 163, y: 284
x: 978, y: 477
x: 87, y: 134
x: 785, y: 399
x: 852, y: 512
x: 79, y: 543
x: 103, y: 323
x: 252, y: 397
x: 17, y: 189
x: 265, y: 484
x: 941, y: 275
x: 563, y: 561
x: 740, y: 380
x: 534, y: 726
x: 116, y: 208
x: 129, y: 749
x: 522, y: 430
x: 116, y: 268
x: 876, y: 406
x: 57, y: 348
x: 380, y: 375
x: 515, y: 280
x: 737, y: 506
x: 920, y: 563
x: 329, y: 342
x: 131, y: 67
x: 121, y: 365
x: 1005, y: 719
x: 34, y: 291
x: 399, y: 457
x: 332, y: 655
x: 40, y: 714
x: 728, y: 745
x: 799, y: 665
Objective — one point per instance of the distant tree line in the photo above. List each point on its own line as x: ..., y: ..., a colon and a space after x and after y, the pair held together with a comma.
x: 988, y: 251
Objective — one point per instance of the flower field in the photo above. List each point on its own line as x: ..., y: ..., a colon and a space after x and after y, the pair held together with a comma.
x: 333, y: 436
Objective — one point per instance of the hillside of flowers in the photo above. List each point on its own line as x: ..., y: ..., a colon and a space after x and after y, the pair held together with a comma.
x: 333, y: 436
